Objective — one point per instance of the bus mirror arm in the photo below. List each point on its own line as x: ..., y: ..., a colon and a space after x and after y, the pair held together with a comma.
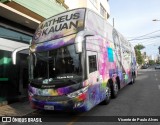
x: 80, y: 38
x: 14, y: 53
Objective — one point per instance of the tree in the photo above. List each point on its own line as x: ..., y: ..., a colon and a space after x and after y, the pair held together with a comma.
x: 139, y: 47
x: 151, y: 62
x: 139, y: 56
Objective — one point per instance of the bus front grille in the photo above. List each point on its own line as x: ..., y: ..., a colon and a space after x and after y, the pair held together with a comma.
x: 51, y: 98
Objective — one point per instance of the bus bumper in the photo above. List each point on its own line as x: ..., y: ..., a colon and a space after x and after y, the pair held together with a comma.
x: 59, y: 103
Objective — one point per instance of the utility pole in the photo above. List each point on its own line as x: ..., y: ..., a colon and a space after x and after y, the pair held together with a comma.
x: 113, y: 22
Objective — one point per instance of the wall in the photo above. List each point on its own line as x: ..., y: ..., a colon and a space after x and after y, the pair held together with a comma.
x: 91, y: 4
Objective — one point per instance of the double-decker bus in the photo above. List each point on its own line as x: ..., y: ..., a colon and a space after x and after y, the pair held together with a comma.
x: 77, y: 60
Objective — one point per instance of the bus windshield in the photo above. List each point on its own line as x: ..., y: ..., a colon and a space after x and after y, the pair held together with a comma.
x: 60, y: 64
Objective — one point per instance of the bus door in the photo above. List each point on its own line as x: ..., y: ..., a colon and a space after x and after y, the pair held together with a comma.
x: 92, y: 65
x: 94, y: 78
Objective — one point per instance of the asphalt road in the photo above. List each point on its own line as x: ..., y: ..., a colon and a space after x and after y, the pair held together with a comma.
x: 139, y: 99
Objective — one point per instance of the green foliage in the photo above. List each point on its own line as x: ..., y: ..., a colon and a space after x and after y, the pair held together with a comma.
x: 151, y: 62
x: 139, y: 57
x: 139, y: 47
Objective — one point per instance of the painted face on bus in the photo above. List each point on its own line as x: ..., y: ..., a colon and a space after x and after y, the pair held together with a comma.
x: 116, y: 45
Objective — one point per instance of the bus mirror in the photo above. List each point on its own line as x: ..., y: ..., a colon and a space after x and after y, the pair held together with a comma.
x: 14, y: 53
x: 78, y: 47
x: 14, y: 57
x: 80, y: 38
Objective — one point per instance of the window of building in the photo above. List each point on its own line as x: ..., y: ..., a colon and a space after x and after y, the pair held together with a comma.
x: 13, y: 35
x: 102, y: 10
x: 92, y: 63
x: 11, y: 76
x: 5, y: 62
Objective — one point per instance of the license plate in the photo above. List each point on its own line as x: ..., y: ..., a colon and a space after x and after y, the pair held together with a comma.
x: 48, y: 107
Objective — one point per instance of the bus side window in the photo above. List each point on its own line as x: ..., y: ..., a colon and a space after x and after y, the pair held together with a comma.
x: 110, y: 55
x: 92, y: 63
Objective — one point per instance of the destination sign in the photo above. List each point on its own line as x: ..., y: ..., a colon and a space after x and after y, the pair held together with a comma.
x: 60, y: 25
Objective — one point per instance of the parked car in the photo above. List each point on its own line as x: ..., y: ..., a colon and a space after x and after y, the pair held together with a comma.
x: 144, y: 67
x: 157, y: 67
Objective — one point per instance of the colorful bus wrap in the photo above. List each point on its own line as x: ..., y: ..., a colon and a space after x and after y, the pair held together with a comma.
x: 77, y: 60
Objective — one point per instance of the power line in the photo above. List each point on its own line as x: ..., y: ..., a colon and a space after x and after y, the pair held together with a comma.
x: 145, y: 41
x: 149, y: 43
x: 145, y: 38
x: 145, y: 44
x: 144, y: 35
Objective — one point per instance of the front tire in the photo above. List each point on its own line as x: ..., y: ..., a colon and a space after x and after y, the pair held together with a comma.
x: 133, y: 80
x: 114, y: 89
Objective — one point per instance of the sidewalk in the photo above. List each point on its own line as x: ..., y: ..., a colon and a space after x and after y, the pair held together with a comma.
x: 3, y: 101
x: 16, y: 109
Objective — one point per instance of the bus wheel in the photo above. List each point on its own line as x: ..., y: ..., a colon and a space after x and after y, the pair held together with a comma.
x: 108, y: 95
x: 114, y: 90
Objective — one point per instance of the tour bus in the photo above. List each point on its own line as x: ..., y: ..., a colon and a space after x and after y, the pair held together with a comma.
x: 76, y: 61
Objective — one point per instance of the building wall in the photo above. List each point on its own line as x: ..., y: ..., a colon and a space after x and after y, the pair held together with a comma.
x: 19, y: 20
x: 95, y: 5
x: 43, y: 8
x: 76, y: 3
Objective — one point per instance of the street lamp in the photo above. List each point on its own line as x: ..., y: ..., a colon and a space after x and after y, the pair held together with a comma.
x: 157, y: 20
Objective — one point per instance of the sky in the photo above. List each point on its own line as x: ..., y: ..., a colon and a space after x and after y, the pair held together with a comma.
x: 133, y: 19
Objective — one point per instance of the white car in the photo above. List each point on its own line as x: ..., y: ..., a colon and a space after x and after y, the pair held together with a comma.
x: 157, y: 67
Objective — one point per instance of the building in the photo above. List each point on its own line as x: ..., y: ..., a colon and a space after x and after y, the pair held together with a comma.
x: 18, y: 22
x: 159, y: 49
x: 145, y: 57
x: 152, y: 57
x: 99, y: 6
x: 158, y: 58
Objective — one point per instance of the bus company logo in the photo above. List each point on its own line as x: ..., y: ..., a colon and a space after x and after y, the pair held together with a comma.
x: 6, y: 119
x: 37, y: 35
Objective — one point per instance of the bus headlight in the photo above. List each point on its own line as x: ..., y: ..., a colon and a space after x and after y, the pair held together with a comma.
x: 77, y: 93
